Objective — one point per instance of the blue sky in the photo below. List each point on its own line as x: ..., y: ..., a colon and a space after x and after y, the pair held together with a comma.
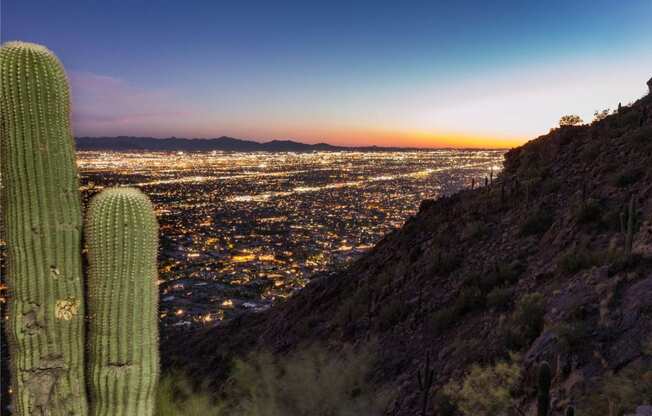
x: 427, y: 73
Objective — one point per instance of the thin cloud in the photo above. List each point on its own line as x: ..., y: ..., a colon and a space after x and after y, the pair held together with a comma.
x: 106, y: 105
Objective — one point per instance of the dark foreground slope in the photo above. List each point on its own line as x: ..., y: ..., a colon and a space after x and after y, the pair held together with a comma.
x: 456, y: 278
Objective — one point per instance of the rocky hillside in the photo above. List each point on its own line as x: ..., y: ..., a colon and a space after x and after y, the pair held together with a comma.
x: 544, y: 261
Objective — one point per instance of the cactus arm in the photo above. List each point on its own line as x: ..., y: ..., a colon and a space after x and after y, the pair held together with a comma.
x: 41, y: 211
x: 123, y: 303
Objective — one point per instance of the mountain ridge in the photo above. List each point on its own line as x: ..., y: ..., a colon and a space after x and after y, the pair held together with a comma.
x: 223, y: 143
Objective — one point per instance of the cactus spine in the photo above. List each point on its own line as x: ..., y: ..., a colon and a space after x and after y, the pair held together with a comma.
x: 42, y: 224
x: 543, y: 389
x: 123, y: 295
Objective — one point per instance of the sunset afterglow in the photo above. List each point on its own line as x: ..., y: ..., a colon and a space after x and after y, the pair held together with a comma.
x: 424, y: 74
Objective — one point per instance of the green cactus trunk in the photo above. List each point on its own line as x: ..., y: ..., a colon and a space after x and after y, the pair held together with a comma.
x: 543, y: 389
x: 122, y: 298
x: 42, y: 221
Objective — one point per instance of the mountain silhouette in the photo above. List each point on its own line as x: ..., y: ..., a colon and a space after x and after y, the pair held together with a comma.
x: 224, y: 143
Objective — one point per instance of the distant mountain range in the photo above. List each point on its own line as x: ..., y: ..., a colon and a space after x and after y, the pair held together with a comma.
x: 125, y: 143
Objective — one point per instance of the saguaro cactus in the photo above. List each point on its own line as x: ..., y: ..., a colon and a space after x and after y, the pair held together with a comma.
x: 42, y: 227
x: 629, y: 235
x: 425, y: 380
x: 42, y: 223
x: 122, y: 296
x: 543, y: 389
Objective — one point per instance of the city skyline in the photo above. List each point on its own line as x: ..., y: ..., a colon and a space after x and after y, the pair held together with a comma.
x: 426, y: 75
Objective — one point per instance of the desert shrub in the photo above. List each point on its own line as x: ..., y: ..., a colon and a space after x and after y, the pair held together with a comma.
x: 570, y: 120
x: 628, y: 119
x: 447, y: 262
x: 577, y: 260
x: 500, y: 298
x: 348, y: 313
x: 572, y: 335
x: 486, y: 391
x: 642, y: 135
x: 442, y: 319
x: 359, y: 302
x: 501, y: 274
x: 611, y: 219
x: 620, y: 393
x: 526, y: 322
x: 591, y: 151
x: 529, y: 313
x: 510, y: 273
x: 550, y: 185
x: 600, y: 115
x: 476, y: 230
x: 443, y: 405
x: 537, y: 223
x: 469, y: 299
x: 311, y: 382
x: 629, y: 177
x: 392, y: 313
x: 176, y: 396
x: 484, y: 280
x: 589, y: 213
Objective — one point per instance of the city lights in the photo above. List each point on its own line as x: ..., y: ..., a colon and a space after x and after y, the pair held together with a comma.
x: 240, y: 231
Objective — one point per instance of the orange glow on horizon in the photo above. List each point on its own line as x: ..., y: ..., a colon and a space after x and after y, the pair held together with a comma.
x: 415, y: 139
x: 444, y: 140
x: 342, y: 135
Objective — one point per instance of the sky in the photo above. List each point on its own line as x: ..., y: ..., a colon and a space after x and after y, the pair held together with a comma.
x: 370, y: 72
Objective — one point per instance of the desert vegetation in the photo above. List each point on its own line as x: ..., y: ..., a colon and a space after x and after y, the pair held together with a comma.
x: 311, y: 381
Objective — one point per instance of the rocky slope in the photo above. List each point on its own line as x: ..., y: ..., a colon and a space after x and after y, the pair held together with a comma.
x: 535, y: 262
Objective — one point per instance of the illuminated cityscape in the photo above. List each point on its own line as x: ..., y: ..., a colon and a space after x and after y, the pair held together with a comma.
x: 242, y: 230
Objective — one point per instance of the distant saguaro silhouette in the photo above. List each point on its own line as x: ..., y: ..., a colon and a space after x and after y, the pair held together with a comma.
x: 649, y: 85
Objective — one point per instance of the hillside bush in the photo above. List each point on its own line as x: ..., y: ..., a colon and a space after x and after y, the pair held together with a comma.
x: 537, y: 223
x: 311, y: 382
x: 620, y: 393
x: 486, y: 391
x: 443, y: 319
x: 500, y: 298
x: 577, y: 260
x: 629, y: 177
x: 502, y: 273
x: 392, y: 313
x: 443, y: 405
x: 570, y: 120
x: 572, y: 336
x: 526, y: 322
x: 176, y: 396
x: 589, y: 213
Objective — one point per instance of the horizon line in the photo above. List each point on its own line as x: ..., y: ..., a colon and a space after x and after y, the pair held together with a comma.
x: 299, y: 141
